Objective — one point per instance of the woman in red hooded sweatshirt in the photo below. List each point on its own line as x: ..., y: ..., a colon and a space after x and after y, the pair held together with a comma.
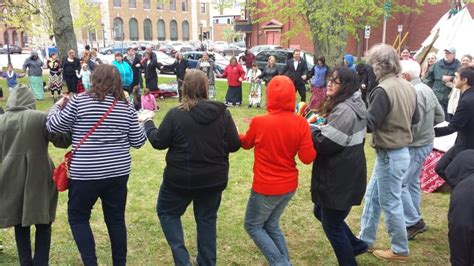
x: 277, y: 138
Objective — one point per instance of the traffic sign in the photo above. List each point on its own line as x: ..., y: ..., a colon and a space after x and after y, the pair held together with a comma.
x: 367, y: 32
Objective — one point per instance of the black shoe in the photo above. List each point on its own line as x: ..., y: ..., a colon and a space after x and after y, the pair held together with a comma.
x: 258, y: 105
x: 416, y: 229
x: 249, y: 106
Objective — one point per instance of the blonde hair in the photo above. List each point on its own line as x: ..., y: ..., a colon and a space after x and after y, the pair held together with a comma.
x: 195, y: 86
x: 146, y: 91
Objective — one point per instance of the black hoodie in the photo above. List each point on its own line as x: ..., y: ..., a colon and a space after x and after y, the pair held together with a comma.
x: 460, y: 176
x: 199, y: 143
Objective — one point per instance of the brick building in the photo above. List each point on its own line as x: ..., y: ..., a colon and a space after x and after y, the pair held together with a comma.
x: 418, y: 26
x: 271, y: 32
x: 157, y: 20
x: 10, y: 34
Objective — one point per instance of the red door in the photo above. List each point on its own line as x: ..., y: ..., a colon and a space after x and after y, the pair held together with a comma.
x: 273, y: 37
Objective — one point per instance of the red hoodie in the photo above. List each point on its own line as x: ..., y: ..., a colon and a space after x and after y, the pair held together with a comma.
x: 277, y: 137
x: 233, y: 73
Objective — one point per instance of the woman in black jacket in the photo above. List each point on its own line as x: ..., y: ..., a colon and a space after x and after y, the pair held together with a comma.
x: 71, y: 67
x: 150, y: 64
x: 339, y: 171
x: 199, y: 135
x: 270, y: 70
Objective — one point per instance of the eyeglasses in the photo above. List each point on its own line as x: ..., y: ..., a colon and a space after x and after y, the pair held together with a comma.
x: 333, y: 81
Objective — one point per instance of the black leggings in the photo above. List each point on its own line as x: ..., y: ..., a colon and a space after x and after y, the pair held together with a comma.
x: 42, y: 244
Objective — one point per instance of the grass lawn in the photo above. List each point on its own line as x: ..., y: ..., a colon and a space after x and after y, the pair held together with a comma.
x: 146, y: 243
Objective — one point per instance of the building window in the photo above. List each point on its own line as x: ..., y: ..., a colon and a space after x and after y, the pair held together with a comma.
x: 184, y: 5
x: 118, y: 29
x: 147, y: 30
x: 133, y: 27
x: 146, y: 4
x: 24, y: 38
x: 173, y: 30
x: 216, y: 21
x: 185, y: 28
x: 203, y: 7
x: 5, y: 37
x: 132, y: 4
x: 15, y: 38
x: 117, y: 3
x: 159, y: 5
x: 161, y: 30
x: 228, y: 21
x: 173, y: 5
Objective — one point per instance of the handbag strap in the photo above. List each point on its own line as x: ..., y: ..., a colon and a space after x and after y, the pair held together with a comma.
x: 95, y: 126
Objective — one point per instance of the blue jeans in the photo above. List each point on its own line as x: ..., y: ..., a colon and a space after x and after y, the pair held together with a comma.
x: 171, y: 206
x: 384, y: 193
x: 262, y: 223
x: 82, y: 197
x: 411, y: 184
x: 345, y: 245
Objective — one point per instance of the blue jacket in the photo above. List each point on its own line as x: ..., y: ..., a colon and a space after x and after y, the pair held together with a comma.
x: 126, y: 72
x: 350, y: 61
x: 319, y: 78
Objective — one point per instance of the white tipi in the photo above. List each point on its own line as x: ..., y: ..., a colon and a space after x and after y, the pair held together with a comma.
x: 454, y: 29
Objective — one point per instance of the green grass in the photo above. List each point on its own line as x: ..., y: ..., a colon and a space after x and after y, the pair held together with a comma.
x: 147, y: 246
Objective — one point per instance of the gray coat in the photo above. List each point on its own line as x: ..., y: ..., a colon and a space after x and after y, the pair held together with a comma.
x: 431, y: 114
x: 28, y: 194
x: 35, y: 67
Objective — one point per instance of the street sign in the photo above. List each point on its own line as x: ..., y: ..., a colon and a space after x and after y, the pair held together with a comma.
x: 367, y: 32
x: 400, y: 28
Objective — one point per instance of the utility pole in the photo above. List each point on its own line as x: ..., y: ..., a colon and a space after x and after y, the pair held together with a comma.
x: 386, y: 7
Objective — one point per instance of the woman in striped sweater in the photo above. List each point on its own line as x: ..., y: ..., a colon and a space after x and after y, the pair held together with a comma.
x: 101, y: 165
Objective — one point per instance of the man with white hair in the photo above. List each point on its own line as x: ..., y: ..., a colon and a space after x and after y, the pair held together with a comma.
x: 392, y: 111
x: 431, y: 113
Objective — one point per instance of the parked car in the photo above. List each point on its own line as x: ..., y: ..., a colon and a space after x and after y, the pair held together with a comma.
x: 193, y: 58
x: 164, y: 59
x: 176, y: 45
x: 282, y: 56
x: 187, y: 48
x: 14, y: 49
x: 258, y: 48
x: 167, y: 49
x: 114, y: 49
x: 219, y: 46
x: 233, y: 50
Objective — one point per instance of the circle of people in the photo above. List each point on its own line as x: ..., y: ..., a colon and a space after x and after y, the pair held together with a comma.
x: 200, y: 133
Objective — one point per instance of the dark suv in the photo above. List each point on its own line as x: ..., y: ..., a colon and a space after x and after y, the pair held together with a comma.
x: 282, y: 56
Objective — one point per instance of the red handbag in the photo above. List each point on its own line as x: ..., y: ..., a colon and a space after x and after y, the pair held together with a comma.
x: 61, y: 173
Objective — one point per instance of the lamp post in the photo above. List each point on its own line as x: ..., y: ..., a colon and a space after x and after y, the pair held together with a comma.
x: 201, y: 37
x: 103, y: 32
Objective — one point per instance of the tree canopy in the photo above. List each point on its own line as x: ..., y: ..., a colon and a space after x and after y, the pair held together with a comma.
x: 331, y: 22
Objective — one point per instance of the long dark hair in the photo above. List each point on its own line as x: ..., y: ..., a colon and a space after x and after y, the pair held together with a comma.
x: 349, y: 83
x: 106, y: 80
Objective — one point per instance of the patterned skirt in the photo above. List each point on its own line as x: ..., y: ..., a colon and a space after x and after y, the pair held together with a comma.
x: 55, y: 82
x: 317, y: 97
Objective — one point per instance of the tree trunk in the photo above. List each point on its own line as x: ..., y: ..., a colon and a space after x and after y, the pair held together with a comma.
x: 63, y: 28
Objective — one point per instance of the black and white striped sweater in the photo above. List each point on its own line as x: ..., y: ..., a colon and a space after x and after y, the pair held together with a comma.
x: 106, y: 153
